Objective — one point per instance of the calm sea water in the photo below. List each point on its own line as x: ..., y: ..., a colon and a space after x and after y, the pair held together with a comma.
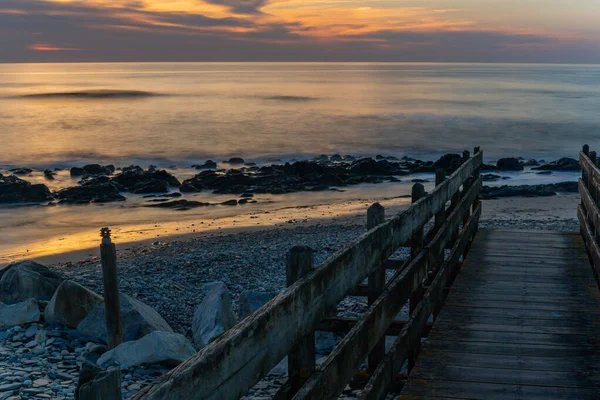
x: 195, y: 111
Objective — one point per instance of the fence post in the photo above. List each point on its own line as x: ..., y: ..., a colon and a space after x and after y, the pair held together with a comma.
x: 416, y: 245
x: 475, y: 176
x: 440, y: 217
x: 112, y: 307
x: 301, y: 359
x: 586, y: 151
x: 590, y: 184
x: 453, y: 203
x: 376, y: 216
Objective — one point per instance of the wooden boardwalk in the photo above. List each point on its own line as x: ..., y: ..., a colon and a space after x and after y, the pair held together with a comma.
x: 522, y: 321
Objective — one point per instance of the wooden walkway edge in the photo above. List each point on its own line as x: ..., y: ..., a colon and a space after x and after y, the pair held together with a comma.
x: 522, y: 321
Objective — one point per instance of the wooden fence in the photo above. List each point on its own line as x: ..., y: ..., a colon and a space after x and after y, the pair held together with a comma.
x: 235, y: 362
x: 588, y: 212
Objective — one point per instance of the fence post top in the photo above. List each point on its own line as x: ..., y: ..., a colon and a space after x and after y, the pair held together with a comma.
x: 418, y: 191
x: 586, y: 149
x: 105, y: 234
x: 375, y: 207
x: 300, y: 249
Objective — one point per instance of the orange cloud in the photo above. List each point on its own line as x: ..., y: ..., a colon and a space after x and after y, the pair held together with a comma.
x: 47, y: 47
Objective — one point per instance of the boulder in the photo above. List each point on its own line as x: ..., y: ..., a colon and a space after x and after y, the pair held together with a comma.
x: 156, y: 347
x: 97, y: 169
x: 564, y: 164
x: 509, y: 164
x: 70, y: 304
x: 445, y: 161
x: 27, y: 279
x: 76, y: 171
x: 214, y: 316
x: 336, y: 158
x: 209, y: 164
x: 136, y: 180
x: 16, y: 190
x: 236, y: 160
x: 137, y: 318
x: 251, y: 301
x: 21, y: 171
x: 19, y: 313
x: 93, y: 191
x: 179, y: 205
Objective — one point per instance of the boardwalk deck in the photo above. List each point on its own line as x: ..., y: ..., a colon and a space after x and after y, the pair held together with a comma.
x: 522, y: 321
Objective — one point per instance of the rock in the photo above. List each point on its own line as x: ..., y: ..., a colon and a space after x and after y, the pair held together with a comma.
x: 251, y: 301
x: 530, y: 163
x: 230, y: 203
x: 564, y: 164
x: 214, y: 316
x: 49, y: 174
x: 179, y: 205
x: 21, y: 171
x: 27, y: 279
x: 209, y: 164
x: 90, y: 192
x: 16, y: 190
x: 157, y: 347
x: 236, y: 160
x: 96, y: 169
x: 445, y: 161
x: 138, y: 320
x: 323, y: 158
x: 70, y: 304
x: 336, y: 158
x: 509, y: 164
x: 76, y: 171
x: 134, y: 179
x: 488, y: 192
x: 20, y: 313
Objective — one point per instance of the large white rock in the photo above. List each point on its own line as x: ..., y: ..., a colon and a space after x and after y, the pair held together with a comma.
x: 27, y: 279
x: 213, y: 316
x: 70, y: 304
x: 137, y: 318
x: 156, y: 347
x: 251, y: 301
x: 19, y: 313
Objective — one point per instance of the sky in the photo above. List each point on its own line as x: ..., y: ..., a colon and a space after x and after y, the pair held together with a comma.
x: 544, y: 31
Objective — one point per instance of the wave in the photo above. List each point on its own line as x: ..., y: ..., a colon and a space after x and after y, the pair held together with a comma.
x: 91, y: 94
x: 290, y: 98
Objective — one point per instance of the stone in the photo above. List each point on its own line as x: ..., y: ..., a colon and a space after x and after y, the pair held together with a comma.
x: 157, y: 347
x: 236, y: 160
x: 16, y: 190
x: 19, y: 313
x: 564, y: 164
x: 27, y: 279
x: 138, y: 320
x: 94, y: 191
x: 509, y: 164
x: 213, y: 316
x: 209, y: 164
x: 70, y: 304
x: 251, y: 301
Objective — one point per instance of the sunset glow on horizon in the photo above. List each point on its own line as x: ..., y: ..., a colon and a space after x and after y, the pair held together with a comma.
x: 295, y: 30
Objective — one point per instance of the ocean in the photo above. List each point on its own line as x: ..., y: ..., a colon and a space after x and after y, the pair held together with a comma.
x: 60, y: 115
x: 173, y: 115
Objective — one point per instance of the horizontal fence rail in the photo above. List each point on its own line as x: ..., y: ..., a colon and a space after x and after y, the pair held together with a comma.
x: 235, y: 362
x: 588, y: 212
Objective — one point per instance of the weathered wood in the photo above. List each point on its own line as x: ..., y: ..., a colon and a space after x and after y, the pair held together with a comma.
x: 506, y: 326
x: 440, y: 177
x: 108, y: 255
x: 100, y: 385
x: 590, y: 241
x: 376, y: 216
x: 381, y: 379
x: 342, y: 326
x: 302, y: 357
x: 232, y: 364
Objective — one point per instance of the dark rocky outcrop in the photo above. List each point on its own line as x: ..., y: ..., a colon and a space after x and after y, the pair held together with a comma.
x: 26, y: 280
x: 236, y: 160
x: 135, y: 179
x: 564, y: 164
x: 21, y: 171
x: 16, y: 190
x: 509, y: 164
x: 207, y: 165
x: 488, y: 192
x: 179, y: 205
x: 95, y: 191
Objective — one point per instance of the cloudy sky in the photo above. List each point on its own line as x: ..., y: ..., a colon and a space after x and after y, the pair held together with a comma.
x: 300, y: 30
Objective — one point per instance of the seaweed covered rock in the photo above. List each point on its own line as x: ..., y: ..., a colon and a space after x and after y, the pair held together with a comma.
x: 135, y: 179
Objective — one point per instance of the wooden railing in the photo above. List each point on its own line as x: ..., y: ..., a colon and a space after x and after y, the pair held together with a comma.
x: 235, y: 362
x: 588, y: 212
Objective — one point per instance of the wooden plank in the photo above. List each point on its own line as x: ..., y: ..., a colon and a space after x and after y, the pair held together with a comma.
x: 508, y: 349
x: 504, y: 325
x: 528, y: 305
x: 498, y: 312
x: 230, y: 366
x: 590, y: 241
x: 418, y: 389
x: 380, y: 380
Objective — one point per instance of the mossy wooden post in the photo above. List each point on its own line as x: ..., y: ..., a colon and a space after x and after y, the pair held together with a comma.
x: 108, y: 253
x: 301, y: 359
x: 376, y: 216
x: 96, y: 384
x: 416, y: 245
